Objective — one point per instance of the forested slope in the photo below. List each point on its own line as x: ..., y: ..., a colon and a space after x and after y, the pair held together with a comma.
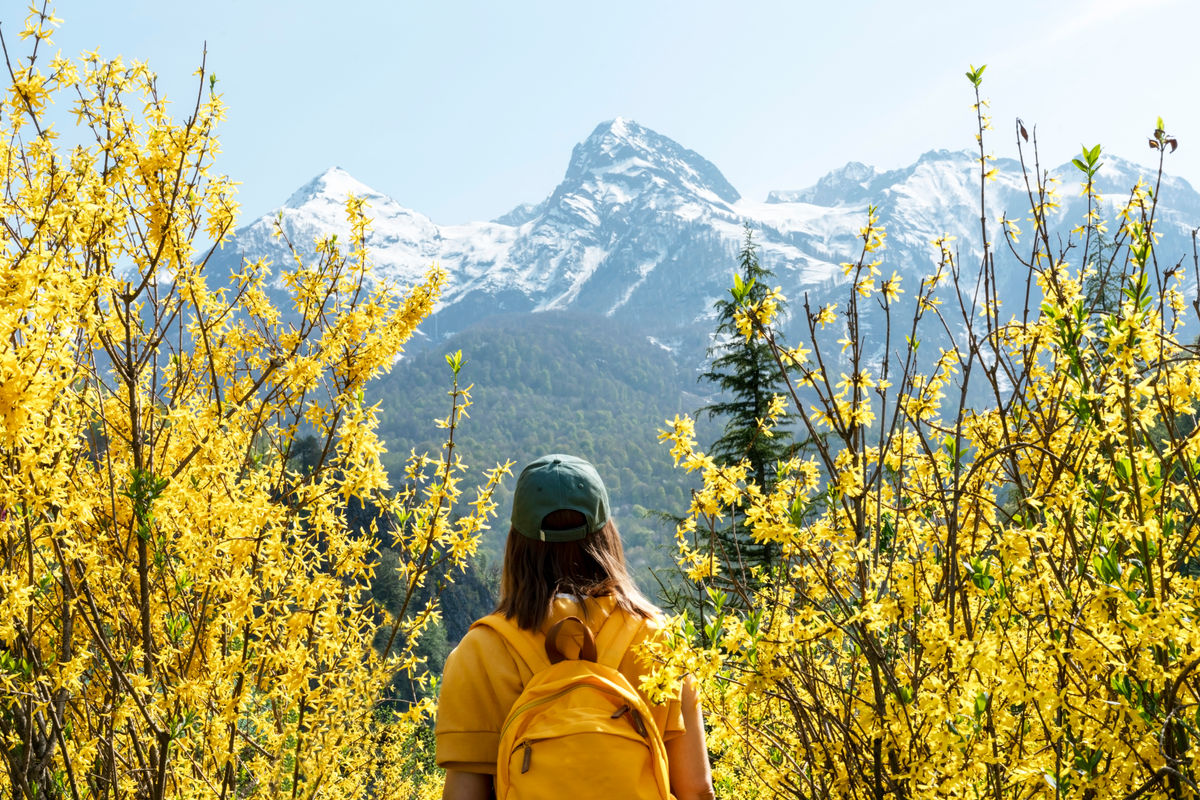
x: 551, y: 382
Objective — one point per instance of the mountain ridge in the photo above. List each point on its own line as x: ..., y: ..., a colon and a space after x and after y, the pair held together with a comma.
x: 645, y: 231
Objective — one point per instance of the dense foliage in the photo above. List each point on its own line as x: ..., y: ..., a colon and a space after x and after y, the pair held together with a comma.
x: 983, y: 602
x: 184, y: 613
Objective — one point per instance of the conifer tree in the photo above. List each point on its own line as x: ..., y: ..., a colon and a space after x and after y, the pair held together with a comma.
x: 747, y: 376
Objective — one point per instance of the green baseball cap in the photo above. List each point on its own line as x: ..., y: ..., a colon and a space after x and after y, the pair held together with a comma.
x: 559, y: 482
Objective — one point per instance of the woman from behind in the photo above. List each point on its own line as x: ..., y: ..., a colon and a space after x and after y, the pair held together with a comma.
x: 563, y: 566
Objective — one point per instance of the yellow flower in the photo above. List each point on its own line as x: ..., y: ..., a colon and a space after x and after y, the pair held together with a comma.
x: 827, y: 315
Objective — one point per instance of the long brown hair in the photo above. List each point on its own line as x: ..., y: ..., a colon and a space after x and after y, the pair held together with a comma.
x: 535, y: 571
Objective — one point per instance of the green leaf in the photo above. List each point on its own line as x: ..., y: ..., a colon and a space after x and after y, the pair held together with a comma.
x: 981, y: 703
x: 1122, y: 467
x: 718, y: 598
x: 741, y: 289
x: 797, y: 512
x: 753, y: 622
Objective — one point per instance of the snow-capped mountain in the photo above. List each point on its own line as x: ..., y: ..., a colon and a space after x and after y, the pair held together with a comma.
x: 403, y: 242
x: 646, y: 232
x: 598, y: 236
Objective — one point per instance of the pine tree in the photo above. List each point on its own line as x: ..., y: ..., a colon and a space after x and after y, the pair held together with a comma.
x: 747, y: 376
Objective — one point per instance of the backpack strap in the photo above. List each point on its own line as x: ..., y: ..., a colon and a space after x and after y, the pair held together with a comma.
x: 613, y: 640
x: 616, y: 636
x: 521, y: 641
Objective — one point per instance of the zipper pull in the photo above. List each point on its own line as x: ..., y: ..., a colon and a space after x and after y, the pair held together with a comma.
x: 528, y: 758
x: 638, y: 725
x: 634, y: 717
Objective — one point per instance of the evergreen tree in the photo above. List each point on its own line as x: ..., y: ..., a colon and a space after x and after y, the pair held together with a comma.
x: 1102, y: 288
x: 747, y: 376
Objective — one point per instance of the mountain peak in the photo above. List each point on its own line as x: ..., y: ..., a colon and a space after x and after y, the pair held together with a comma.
x: 627, y: 131
x: 939, y: 155
x: 614, y: 138
x: 622, y: 147
x: 620, y: 126
x: 334, y: 184
x: 848, y: 184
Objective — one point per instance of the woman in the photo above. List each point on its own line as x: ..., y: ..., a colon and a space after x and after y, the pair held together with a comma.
x: 563, y: 559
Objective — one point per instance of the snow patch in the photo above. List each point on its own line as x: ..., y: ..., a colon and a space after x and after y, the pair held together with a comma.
x: 643, y: 270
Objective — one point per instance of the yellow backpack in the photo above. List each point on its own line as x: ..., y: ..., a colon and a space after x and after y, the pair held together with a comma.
x: 579, y: 729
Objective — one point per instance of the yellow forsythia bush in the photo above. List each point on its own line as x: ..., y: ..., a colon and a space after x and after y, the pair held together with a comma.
x: 183, y: 611
x: 989, y: 576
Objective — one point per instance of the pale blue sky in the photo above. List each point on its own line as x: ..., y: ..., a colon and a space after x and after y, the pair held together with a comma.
x: 461, y: 110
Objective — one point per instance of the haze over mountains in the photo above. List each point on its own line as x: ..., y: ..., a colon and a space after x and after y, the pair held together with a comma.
x: 646, y: 232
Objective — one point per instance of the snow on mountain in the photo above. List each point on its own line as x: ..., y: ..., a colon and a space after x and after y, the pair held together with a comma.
x: 623, y: 152
x: 850, y: 184
x: 647, y: 232
x: 599, y: 235
x: 402, y: 241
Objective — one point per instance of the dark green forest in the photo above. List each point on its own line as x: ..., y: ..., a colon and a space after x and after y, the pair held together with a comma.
x: 554, y: 382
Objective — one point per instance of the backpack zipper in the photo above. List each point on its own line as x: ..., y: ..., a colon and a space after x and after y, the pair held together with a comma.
x: 527, y: 745
x: 635, y: 717
x: 516, y: 712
